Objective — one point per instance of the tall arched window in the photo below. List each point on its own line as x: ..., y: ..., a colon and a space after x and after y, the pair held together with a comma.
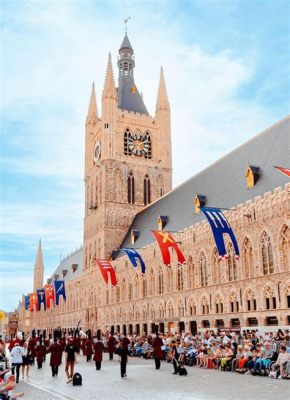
x: 118, y: 185
x: 248, y: 259
x: 148, y: 144
x: 180, y: 282
x: 159, y: 186
x: 169, y: 280
x: 203, y: 270
x: 130, y: 290
x: 131, y: 188
x: 215, y: 267
x: 267, y: 254
x: 190, y: 274
x: 160, y: 281
x: 152, y: 283
x: 232, y: 264
x: 144, y: 288
x: 127, y: 136
x: 285, y: 248
x: 97, y: 194
x: 146, y: 190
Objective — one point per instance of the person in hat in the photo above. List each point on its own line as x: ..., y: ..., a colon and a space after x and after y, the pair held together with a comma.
x: 157, y: 352
x: 55, y: 350
x: 98, y: 352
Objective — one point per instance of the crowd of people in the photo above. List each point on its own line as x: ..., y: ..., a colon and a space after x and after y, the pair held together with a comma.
x: 246, y: 352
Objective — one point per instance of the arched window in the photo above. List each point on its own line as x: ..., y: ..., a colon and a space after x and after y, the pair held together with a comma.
x: 181, y: 309
x: 285, y: 248
x: 118, y: 294
x: 97, y: 194
x: 123, y: 290
x: 170, y: 310
x: 144, y: 287
x: 192, y: 308
x: 131, y: 188
x: 130, y: 290
x: 118, y: 185
x: 267, y: 254
x: 160, y: 281
x: 232, y: 264
x: 159, y: 186
x: 270, y: 298
x: 169, y: 280
x: 148, y: 144
x: 203, y: 270
x: 251, y: 301
x: 152, y: 283
x: 215, y: 267
x: 127, y: 137
x: 146, y: 190
x: 204, y: 306
x: 248, y: 259
x: 180, y: 282
x: 190, y: 274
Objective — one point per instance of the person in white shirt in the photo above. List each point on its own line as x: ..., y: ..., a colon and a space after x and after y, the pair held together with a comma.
x: 17, y: 354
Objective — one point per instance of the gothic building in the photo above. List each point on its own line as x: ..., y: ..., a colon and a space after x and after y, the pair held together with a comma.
x: 128, y: 192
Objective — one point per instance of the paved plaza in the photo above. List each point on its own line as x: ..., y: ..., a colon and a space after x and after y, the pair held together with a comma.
x: 144, y: 382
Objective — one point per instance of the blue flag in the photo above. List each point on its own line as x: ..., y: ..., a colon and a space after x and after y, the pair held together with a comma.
x: 133, y: 257
x: 27, y: 302
x: 219, y: 226
x: 41, y: 298
x: 59, y: 291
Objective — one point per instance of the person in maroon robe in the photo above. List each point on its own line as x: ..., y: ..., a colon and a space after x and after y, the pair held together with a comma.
x: 40, y: 352
x: 98, y: 353
x: 157, y: 351
x: 88, y: 347
x: 55, y: 351
x: 31, y: 346
x: 111, y: 346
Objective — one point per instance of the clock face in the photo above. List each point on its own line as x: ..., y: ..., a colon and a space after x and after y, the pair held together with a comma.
x: 97, y: 151
x: 139, y: 145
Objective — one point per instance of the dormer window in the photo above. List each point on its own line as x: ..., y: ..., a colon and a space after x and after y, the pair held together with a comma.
x: 252, y: 176
x: 162, y: 221
x: 74, y: 267
x: 199, y: 201
x: 134, y: 236
x: 64, y: 272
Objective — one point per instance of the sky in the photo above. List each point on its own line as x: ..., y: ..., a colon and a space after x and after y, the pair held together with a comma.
x: 226, y: 65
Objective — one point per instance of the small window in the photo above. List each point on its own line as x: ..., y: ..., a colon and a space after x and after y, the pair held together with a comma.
x: 267, y: 303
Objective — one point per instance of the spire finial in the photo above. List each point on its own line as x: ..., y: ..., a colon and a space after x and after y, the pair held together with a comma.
x: 126, y: 24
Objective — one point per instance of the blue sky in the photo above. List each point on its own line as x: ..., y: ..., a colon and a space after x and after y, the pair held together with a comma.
x: 226, y: 66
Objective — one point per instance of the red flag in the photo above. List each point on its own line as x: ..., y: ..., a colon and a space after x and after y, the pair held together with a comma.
x: 165, y: 240
x: 49, y: 295
x: 285, y: 171
x: 106, y: 269
x: 33, y: 306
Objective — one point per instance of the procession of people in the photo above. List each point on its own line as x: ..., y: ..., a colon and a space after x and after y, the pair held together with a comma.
x: 245, y: 352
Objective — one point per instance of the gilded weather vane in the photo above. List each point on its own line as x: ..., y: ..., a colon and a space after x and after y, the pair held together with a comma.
x: 126, y: 23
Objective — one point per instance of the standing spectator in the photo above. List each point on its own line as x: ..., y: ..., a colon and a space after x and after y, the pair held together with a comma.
x: 26, y: 360
x: 70, y: 358
x: 17, y: 353
x: 56, y: 355
x: 123, y: 352
x: 157, y: 352
x: 174, y: 356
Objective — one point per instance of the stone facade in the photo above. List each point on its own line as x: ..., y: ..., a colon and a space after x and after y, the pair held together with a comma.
x: 205, y: 292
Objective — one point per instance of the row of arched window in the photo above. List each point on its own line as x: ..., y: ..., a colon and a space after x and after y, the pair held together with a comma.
x: 146, y: 189
x: 233, y: 303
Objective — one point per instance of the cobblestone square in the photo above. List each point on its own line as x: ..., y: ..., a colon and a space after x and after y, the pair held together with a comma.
x: 144, y: 382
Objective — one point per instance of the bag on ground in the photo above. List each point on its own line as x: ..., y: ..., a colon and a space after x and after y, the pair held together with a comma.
x: 77, y: 379
x: 181, y: 370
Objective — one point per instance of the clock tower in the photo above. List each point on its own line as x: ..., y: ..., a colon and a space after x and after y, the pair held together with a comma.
x: 127, y: 157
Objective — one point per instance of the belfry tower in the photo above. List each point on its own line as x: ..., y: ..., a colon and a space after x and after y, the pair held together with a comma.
x: 38, y: 269
x: 127, y: 157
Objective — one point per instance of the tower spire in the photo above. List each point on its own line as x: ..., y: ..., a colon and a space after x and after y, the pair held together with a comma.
x: 162, y: 99
x: 93, y: 110
x: 38, y: 269
x: 39, y: 257
x: 109, y: 88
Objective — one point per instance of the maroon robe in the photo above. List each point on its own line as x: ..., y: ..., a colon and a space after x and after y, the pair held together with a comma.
x: 56, y: 354
x: 157, y: 352
x: 98, y: 351
x: 40, y: 352
x: 112, y: 344
x: 88, y: 347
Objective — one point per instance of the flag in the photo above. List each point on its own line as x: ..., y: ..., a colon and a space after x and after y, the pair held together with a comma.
x: 106, y: 269
x: 59, y: 291
x: 33, y: 305
x: 165, y: 241
x: 27, y: 302
x: 49, y: 295
x: 285, y: 171
x: 134, y: 256
x: 41, y: 298
x: 219, y: 225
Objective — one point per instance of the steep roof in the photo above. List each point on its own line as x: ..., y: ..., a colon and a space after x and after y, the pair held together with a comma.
x: 223, y: 183
x: 129, y: 97
x: 72, y: 266
x: 126, y: 43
